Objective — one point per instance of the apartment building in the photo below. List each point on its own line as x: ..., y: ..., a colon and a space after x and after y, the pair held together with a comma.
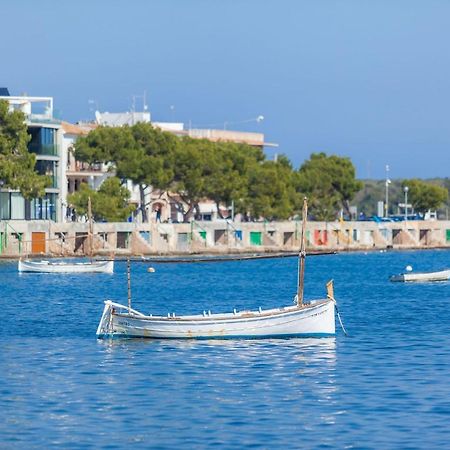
x: 45, y: 143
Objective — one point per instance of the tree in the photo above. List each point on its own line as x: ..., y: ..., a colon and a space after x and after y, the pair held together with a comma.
x: 228, y: 180
x: 330, y: 184
x: 425, y: 196
x: 195, y: 160
x: 140, y: 153
x: 16, y: 162
x: 271, y: 190
x: 109, y: 203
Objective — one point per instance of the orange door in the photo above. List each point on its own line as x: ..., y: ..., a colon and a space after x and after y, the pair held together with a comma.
x: 37, y: 242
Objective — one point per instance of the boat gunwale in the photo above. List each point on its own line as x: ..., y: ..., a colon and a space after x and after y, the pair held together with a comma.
x: 227, y: 317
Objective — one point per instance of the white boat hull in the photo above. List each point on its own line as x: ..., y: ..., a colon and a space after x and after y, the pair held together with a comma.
x: 63, y: 267
x: 442, y: 275
x: 312, y: 320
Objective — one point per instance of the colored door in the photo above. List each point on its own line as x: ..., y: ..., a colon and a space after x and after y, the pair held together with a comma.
x: 255, y: 238
x: 37, y: 242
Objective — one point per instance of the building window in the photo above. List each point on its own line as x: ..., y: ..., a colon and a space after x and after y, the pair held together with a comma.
x: 44, y: 208
x: 49, y: 169
x: 17, y: 206
x: 5, y: 206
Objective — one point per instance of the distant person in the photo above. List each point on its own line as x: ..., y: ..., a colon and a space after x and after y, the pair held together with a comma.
x: 158, y: 214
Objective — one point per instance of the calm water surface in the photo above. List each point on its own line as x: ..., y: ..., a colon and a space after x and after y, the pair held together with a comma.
x: 385, y: 386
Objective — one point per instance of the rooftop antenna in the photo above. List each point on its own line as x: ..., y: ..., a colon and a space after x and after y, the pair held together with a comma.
x: 145, y: 101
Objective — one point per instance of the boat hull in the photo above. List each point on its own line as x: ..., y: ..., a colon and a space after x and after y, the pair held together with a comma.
x: 442, y: 275
x: 315, y: 320
x: 62, y: 267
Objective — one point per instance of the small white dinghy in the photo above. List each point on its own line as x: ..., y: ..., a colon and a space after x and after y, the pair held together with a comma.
x: 442, y: 275
x: 66, y: 267
x: 313, y: 319
x: 91, y: 266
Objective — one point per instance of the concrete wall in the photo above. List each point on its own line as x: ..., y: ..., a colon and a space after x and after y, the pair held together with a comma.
x: 18, y: 238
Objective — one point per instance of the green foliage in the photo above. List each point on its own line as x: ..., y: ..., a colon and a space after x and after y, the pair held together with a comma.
x: 330, y: 184
x: 271, y: 190
x: 140, y: 153
x: 191, y: 170
x: 424, y: 196
x: 16, y: 162
x: 109, y: 203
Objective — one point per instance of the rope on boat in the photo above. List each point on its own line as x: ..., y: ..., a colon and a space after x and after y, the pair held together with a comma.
x: 339, y: 317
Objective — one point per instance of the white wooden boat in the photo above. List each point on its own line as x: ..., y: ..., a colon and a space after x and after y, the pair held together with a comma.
x: 70, y: 267
x: 442, y: 275
x: 313, y: 319
x: 66, y: 267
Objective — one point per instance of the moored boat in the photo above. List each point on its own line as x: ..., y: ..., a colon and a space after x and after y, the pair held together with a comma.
x: 91, y: 266
x: 442, y: 275
x: 313, y: 319
x: 66, y: 267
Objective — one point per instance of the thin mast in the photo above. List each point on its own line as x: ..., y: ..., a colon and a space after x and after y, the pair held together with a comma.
x: 302, y: 256
x: 129, y: 285
x: 91, y: 229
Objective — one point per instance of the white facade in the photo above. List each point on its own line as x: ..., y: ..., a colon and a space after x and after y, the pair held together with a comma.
x: 45, y: 143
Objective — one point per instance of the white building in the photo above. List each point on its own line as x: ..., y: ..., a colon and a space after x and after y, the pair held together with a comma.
x: 45, y: 143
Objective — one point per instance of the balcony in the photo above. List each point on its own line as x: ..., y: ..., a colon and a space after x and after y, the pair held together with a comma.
x: 78, y: 168
x: 43, y: 150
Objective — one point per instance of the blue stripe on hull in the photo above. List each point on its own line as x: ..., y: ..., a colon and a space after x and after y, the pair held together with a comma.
x: 203, y: 338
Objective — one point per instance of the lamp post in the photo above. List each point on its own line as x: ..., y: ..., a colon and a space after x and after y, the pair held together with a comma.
x: 406, y: 189
x: 388, y: 182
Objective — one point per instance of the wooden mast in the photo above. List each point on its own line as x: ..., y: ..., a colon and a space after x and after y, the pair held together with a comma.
x: 129, y: 285
x: 302, y: 256
x: 91, y: 229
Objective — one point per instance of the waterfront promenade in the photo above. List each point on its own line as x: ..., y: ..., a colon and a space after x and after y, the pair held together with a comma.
x: 38, y: 238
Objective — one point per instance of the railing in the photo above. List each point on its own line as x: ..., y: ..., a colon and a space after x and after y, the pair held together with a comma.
x: 4, y: 238
x: 42, y: 118
x: 45, y: 150
x: 86, y: 167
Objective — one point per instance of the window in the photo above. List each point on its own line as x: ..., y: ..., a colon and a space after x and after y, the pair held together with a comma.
x: 44, y: 208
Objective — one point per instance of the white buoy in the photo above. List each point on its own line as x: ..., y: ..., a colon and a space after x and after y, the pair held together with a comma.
x: 409, y: 268
x: 151, y: 269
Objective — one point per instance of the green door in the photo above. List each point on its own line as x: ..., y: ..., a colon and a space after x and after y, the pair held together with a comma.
x: 448, y: 235
x: 255, y: 238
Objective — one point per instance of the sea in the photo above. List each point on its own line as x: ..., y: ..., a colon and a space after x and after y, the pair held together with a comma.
x: 385, y: 385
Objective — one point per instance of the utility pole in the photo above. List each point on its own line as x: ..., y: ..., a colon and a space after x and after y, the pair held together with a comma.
x: 388, y: 182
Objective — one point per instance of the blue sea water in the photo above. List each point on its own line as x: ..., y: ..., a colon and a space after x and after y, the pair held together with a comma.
x: 387, y: 385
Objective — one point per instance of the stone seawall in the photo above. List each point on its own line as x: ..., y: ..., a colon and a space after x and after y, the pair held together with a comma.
x: 28, y: 238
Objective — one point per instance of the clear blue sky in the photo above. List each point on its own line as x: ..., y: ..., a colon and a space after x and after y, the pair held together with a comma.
x: 368, y: 79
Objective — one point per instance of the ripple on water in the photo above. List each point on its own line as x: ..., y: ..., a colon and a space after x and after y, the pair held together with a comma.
x: 384, y: 386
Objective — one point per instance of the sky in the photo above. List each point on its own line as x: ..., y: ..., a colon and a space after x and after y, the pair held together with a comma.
x: 365, y: 79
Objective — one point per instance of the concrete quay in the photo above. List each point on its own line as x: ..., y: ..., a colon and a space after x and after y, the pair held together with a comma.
x: 46, y: 238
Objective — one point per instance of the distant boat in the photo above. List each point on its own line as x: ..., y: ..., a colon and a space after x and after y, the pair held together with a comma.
x: 312, y: 319
x: 70, y: 267
x: 442, y: 275
x: 66, y: 267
